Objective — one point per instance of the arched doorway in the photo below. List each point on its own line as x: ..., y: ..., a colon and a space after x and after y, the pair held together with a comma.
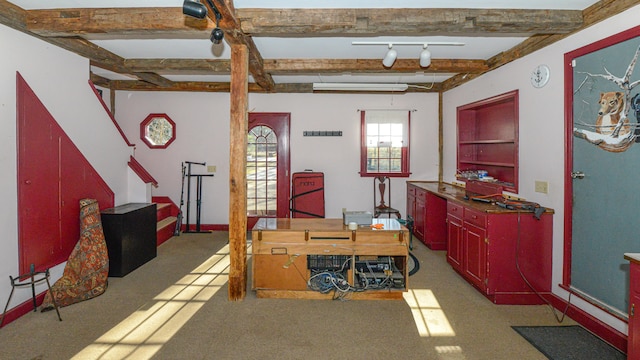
x: 268, y: 162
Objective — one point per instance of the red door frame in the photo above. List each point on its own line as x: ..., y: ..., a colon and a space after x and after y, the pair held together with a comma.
x: 568, y: 112
x: 280, y: 124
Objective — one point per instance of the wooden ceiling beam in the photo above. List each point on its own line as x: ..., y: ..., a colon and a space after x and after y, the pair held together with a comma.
x: 357, y: 66
x: 116, y: 21
x: 196, y: 86
x: 345, y: 22
x: 595, y: 13
x: 12, y: 16
x: 308, y: 22
x: 306, y: 66
x: 234, y: 35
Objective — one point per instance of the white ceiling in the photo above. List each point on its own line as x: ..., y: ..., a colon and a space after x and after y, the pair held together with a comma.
x: 310, y: 47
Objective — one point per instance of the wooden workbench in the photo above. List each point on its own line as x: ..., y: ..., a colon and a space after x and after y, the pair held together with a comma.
x: 281, y: 248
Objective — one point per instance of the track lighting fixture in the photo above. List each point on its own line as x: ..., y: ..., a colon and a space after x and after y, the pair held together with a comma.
x: 425, y: 57
x: 198, y: 10
x: 194, y: 8
x: 391, y: 55
x: 217, y: 35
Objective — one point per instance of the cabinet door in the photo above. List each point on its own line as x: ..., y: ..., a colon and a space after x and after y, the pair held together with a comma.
x: 475, y: 254
x: 411, y: 202
x: 419, y: 219
x: 454, y: 242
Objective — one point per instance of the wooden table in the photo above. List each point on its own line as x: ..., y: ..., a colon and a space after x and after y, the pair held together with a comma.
x: 283, y: 248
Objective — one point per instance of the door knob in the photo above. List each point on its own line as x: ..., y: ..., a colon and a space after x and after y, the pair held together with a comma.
x: 577, y: 175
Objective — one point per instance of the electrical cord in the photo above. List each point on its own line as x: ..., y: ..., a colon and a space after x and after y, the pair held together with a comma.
x: 553, y: 310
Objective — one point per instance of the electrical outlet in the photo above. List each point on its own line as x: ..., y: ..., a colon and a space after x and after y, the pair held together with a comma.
x: 344, y: 210
x: 542, y: 187
x: 211, y: 168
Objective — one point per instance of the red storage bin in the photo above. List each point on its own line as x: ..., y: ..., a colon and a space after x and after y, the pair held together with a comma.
x: 307, y: 195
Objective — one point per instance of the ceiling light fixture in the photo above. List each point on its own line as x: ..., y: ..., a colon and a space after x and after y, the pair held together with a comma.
x: 194, y: 8
x: 392, y: 55
x: 359, y: 87
x: 425, y: 57
x: 198, y: 10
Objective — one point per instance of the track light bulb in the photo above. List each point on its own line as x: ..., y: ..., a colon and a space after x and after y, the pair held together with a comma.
x: 425, y: 57
x: 194, y: 8
x: 390, y: 57
x: 217, y: 35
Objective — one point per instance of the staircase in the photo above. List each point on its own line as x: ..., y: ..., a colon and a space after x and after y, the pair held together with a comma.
x: 167, y: 217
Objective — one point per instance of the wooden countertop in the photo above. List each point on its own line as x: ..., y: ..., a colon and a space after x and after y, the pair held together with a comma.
x: 313, y: 224
x: 457, y: 194
x: 632, y: 257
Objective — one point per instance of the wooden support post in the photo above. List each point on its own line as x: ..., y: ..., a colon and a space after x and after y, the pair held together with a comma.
x: 237, y: 172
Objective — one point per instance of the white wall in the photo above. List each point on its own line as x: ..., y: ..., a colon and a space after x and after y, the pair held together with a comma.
x: 60, y: 79
x: 202, y: 123
x: 541, y: 129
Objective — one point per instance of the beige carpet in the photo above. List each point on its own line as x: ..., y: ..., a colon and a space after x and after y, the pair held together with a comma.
x: 460, y: 322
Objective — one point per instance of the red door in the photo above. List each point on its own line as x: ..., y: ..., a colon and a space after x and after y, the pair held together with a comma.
x: 268, y: 163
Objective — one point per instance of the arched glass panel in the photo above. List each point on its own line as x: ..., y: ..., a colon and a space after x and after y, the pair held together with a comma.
x: 262, y: 172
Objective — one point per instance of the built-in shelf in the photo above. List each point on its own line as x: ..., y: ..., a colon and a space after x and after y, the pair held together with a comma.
x: 488, y: 138
x: 488, y: 163
x: 496, y: 141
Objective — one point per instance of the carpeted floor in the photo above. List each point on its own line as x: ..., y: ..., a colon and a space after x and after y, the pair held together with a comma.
x: 568, y: 343
x: 176, y: 307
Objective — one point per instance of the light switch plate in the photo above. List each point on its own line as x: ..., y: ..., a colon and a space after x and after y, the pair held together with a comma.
x: 542, y: 187
x: 211, y: 168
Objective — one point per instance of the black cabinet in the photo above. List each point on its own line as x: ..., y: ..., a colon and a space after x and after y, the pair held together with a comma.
x: 130, y: 234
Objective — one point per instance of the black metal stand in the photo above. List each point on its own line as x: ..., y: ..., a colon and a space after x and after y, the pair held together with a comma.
x: 198, y: 196
x: 30, y: 279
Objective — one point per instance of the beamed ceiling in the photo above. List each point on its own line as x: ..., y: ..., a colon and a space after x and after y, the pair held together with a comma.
x: 160, y: 49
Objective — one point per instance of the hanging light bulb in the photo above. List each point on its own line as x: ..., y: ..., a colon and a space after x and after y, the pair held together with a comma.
x: 425, y: 57
x: 390, y: 57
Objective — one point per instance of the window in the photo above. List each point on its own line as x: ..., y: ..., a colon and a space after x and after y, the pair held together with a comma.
x: 385, y: 143
x: 262, y: 160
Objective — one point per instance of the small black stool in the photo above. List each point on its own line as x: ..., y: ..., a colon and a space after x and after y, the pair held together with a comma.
x: 408, y: 222
x: 30, y: 279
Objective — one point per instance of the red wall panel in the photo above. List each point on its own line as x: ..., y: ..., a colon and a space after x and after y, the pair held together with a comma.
x: 53, y: 176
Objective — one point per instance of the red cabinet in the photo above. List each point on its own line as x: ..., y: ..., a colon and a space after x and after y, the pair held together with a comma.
x: 484, y: 247
x: 429, y: 213
x: 454, y: 236
x: 506, y: 254
x: 475, y: 249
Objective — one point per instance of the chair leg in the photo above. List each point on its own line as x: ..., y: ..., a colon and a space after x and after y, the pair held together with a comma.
x: 8, y: 300
x: 53, y: 299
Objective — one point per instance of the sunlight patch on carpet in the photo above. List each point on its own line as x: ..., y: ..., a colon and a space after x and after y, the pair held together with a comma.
x: 429, y: 317
x: 143, y: 333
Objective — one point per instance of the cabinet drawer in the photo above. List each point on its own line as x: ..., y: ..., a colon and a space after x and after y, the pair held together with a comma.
x: 411, y: 190
x: 475, y: 217
x: 420, y: 193
x: 454, y: 209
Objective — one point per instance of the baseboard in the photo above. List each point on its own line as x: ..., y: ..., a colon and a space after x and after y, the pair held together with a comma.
x: 206, y: 227
x: 599, y: 328
x: 22, y: 309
